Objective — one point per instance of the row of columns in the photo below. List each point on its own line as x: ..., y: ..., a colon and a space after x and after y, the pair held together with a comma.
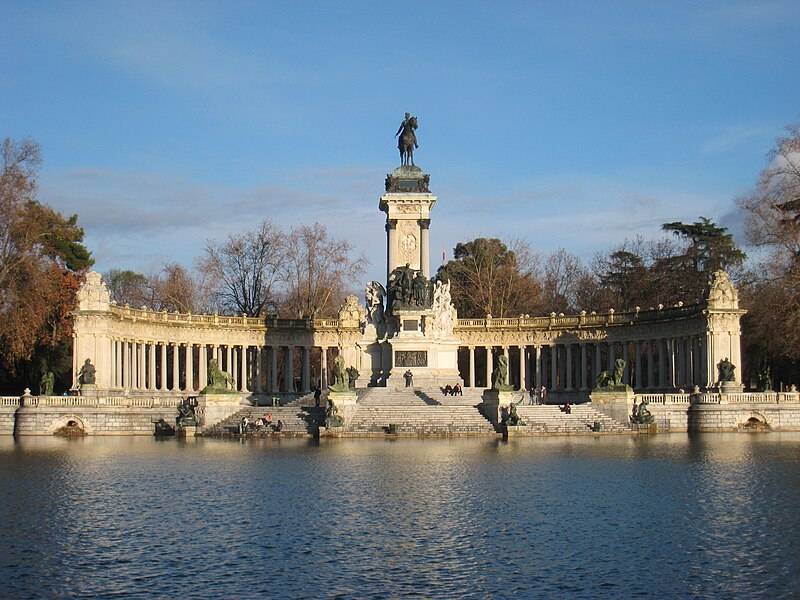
x: 680, y: 362
x: 145, y: 366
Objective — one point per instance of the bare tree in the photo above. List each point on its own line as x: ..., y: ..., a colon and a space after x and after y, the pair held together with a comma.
x: 563, y: 273
x: 318, y: 271
x: 244, y: 270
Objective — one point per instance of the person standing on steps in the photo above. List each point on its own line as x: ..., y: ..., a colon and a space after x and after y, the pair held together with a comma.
x: 409, y: 377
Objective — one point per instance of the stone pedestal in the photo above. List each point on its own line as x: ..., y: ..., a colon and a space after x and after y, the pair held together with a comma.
x: 186, y: 431
x: 342, y: 398
x: 494, y: 401
x: 614, y: 401
x: 213, y: 408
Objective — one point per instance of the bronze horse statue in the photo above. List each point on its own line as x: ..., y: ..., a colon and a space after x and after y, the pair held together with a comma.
x: 407, y: 140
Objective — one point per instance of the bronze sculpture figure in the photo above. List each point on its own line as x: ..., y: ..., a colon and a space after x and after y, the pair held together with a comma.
x: 407, y: 140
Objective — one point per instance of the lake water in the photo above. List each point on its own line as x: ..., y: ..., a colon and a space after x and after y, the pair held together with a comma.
x: 612, y: 516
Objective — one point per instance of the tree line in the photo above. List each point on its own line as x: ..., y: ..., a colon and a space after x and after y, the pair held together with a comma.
x: 305, y: 273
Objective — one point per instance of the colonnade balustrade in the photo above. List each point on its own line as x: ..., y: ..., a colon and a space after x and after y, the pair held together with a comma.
x: 153, y: 366
x: 650, y: 364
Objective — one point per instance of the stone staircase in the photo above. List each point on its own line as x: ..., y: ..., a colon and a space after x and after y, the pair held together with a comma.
x: 297, y: 421
x: 416, y: 412
x: 549, y: 419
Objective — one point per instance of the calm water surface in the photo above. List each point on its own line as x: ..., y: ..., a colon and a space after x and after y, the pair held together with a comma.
x: 611, y: 516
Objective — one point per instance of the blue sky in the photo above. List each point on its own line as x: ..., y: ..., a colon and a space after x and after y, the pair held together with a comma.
x: 571, y: 124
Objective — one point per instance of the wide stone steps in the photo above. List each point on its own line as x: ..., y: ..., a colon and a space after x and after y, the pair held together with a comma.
x: 550, y: 419
x: 419, y: 420
x: 296, y: 420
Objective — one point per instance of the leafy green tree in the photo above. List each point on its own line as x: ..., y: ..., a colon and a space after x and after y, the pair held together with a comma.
x: 488, y: 277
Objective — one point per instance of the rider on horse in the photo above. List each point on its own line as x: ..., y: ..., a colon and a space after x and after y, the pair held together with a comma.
x: 408, y: 140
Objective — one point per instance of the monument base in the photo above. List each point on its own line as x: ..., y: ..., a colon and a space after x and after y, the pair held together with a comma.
x: 616, y: 401
x: 213, y: 408
x: 186, y: 431
x: 343, y: 398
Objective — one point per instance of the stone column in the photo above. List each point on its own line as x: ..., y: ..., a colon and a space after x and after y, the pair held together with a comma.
x: 259, y: 370
x: 553, y: 367
x: 305, y: 377
x: 523, y: 370
x: 74, y: 361
x: 234, y: 372
x: 598, y: 360
x: 543, y: 367
x: 569, y: 367
x: 662, y: 363
x: 537, y: 360
x: 163, y: 380
x: 424, y: 258
x: 612, y: 357
x: 489, y: 366
x: 243, y: 383
x: 472, y: 366
x: 323, y: 368
x: 176, y: 367
x: 651, y: 375
x: 140, y: 383
x: 229, y: 362
x: 637, y: 350
x: 117, y: 364
x: 151, y: 367
x: 202, y: 367
x: 189, y: 367
x: 288, y: 371
x: 584, y: 368
x: 391, y: 250
x: 626, y: 356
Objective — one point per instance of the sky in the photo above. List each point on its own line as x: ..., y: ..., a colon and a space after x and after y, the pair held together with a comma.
x: 570, y: 125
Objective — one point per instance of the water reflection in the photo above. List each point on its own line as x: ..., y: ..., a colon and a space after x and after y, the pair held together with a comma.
x: 585, y: 516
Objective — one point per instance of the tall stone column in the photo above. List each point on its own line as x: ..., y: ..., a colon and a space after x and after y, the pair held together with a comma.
x: 189, y: 359
x: 612, y: 357
x: 537, y: 359
x: 489, y: 366
x: 662, y: 363
x: 554, y: 360
x: 164, y: 369
x: 305, y: 378
x: 637, y: 350
x: 543, y: 356
x: 323, y: 367
x: 584, y: 368
x: 425, y: 266
x: 229, y: 361
x: 202, y: 367
x: 140, y: 383
x: 523, y: 370
x: 288, y: 371
x: 259, y: 370
x: 598, y: 360
x: 243, y: 380
x: 569, y: 367
x: 151, y: 366
x: 626, y: 377
x: 472, y: 366
x: 176, y: 367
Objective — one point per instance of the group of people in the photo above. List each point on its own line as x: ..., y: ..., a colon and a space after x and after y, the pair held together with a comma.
x: 538, y: 395
x: 453, y: 390
x: 261, y: 425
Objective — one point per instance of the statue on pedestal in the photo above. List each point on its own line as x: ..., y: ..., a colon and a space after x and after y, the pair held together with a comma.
x: 339, y: 373
x: 726, y: 370
x: 407, y: 140
x: 332, y: 418
x: 500, y: 374
x: 641, y: 415
x: 88, y: 374
x: 218, y: 380
x: 46, y: 383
